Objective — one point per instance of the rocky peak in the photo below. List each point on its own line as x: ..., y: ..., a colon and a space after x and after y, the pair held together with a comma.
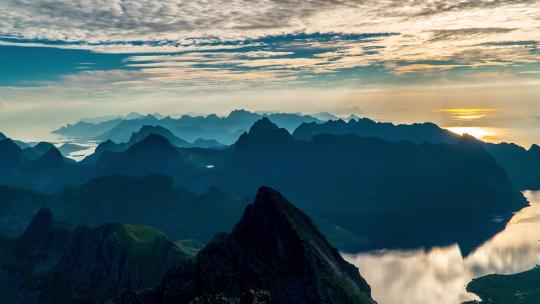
x: 274, y: 247
x: 534, y: 149
x: 53, y: 157
x: 262, y: 125
x: 264, y: 134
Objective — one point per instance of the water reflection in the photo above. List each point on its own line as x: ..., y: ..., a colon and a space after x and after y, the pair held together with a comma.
x: 441, y: 274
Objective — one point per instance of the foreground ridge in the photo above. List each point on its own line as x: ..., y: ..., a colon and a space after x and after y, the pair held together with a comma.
x: 274, y: 254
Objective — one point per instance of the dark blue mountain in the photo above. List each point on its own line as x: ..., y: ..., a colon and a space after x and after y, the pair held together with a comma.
x: 38, y: 150
x: 49, y: 171
x: 521, y: 165
x: 417, y: 133
x: 158, y: 130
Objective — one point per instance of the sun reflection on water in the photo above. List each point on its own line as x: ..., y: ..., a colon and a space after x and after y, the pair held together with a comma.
x: 441, y: 274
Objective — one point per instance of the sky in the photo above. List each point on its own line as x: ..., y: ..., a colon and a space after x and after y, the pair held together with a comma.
x: 470, y: 65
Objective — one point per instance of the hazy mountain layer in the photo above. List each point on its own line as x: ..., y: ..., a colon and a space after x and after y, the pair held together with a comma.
x: 191, y: 128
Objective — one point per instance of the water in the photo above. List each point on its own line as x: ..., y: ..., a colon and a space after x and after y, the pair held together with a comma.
x: 440, y: 275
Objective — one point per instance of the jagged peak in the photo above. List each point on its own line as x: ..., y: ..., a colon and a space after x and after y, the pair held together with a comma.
x: 272, y: 213
x: 7, y: 143
x: 106, y: 143
x: 154, y: 139
x: 534, y: 149
x: 52, y: 155
x: 262, y: 125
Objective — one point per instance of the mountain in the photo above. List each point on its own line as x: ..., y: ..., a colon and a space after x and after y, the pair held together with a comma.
x: 49, y: 171
x: 153, y: 154
x: 190, y: 128
x: 38, y: 150
x: 151, y: 200
x: 86, y: 130
x: 521, y: 165
x: 50, y: 264
x: 382, y: 188
x: 106, y: 146
x: 161, y: 131
x: 521, y: 288
x: 274, y: 251
x: 417, y: 133
x: 325, y: 116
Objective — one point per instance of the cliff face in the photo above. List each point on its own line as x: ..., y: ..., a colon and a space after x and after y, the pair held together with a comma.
x: 274, y: 250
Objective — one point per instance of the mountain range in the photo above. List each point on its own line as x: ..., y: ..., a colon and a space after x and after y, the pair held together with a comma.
x: 354, y: 184
x: 224, y: 130
x: 521, y: 165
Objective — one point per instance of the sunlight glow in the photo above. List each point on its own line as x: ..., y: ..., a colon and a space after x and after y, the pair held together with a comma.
x: 483, y: 133
x: 467, y: 114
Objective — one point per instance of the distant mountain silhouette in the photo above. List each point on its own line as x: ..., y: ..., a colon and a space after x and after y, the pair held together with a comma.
x: 161, y: 131
x: 48, y: 171
x: 275, y: 251
x: 190, y: 128
x: 417, y: 133
x: 324, y: 116
x: 85, y: 129
x: 521, y: 165
x: 153, y: 154
x: 50, y: 264
x: 38, y: 150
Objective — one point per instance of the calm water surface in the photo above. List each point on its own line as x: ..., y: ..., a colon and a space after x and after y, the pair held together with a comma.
x: 441, y: 274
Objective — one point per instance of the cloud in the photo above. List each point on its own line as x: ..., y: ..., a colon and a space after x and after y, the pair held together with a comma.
x: 467, y: 33
x: 215, y: 44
